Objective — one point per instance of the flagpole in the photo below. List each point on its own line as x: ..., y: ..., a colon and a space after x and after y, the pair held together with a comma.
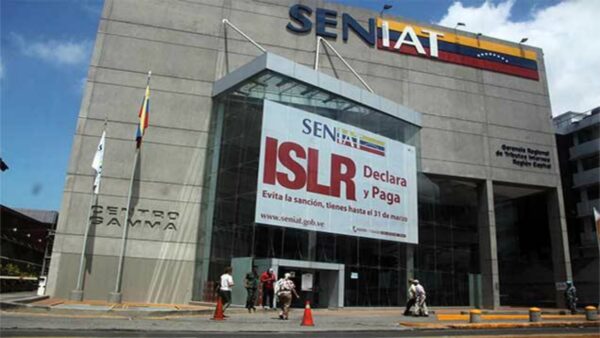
x: 77, y: 293
x: 116, y: 296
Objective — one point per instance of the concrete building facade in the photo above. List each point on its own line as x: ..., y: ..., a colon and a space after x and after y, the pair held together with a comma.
x: 577, y: 139
x: 491, y: 227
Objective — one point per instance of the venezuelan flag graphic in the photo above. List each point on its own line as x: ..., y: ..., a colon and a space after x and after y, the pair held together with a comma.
x: 144, y: 116
x: 459, y: 49
x: 347, y: 138
x: 360, y: 142
x: 372, y: 145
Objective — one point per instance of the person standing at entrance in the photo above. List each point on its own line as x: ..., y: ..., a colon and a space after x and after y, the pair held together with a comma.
x: 571, y: 297
x: 225, y: 287
x: 251, y: 284
x: 412, y: 297
x: 285, y: 289
x: 420, y: 300
x: 267, y: 279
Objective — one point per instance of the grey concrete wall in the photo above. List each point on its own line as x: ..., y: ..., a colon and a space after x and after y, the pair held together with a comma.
x: 467, y: 114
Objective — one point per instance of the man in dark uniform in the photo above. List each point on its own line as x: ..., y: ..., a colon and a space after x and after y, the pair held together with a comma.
x: 571, y: 297
x: 251, y: 284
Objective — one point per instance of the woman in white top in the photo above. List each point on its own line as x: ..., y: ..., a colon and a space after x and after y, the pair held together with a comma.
x: 225, y: 287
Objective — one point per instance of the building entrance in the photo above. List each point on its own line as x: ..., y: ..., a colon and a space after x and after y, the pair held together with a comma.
x: 314, y: 285
x: 320, y: 283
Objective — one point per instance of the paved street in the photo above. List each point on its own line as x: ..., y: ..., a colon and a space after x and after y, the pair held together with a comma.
x: 238, y: 320
x: 505, y: 333
x: 328, y: 323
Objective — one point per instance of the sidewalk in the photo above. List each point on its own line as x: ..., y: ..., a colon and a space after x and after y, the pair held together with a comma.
x: 63, y: 314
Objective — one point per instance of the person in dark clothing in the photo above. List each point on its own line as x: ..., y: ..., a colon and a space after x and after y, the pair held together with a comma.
x: 412, y: 297
x: 571, y: 297
x: 267, y: 279
x: 251, y: 284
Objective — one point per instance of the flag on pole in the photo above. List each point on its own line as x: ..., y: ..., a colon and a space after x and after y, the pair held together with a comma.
x: 144, y: 116
x: 97, y: 162
x: 597, y: 222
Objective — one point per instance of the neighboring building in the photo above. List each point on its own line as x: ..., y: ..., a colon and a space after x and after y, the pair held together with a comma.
x: 446, y: 172
x: 26, y: 246
x: 578, y: 143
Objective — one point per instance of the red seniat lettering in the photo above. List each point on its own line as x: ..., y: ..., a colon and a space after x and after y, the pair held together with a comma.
x: 284, y: 153
x: 313, y: 174
x: 337, y: 176
x: 270, y: 161
x: 343, y: 169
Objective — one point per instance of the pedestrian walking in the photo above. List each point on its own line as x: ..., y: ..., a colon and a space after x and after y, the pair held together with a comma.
x: 285, y: 290
x: 267, y: 280
x: 251, y: 285
x: 420, y: 300
x: 412, y: 298
x: 571, y: 297
x: 225, y: 287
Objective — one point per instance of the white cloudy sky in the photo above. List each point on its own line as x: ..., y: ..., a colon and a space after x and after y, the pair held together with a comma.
x: 568, y: 33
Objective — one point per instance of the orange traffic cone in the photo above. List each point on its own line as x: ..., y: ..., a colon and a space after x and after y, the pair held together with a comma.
x: 219, y: 311
x: 307, y: 320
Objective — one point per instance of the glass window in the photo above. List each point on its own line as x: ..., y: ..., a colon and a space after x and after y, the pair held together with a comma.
x: 237, y: 118
x: 590, y: 162
x: 524, y: 251
x: 588, y: 134
x: 593, y: 192
x: 448, y: 249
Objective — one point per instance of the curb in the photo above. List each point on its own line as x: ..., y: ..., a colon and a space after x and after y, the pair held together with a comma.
x: 22, y: 302
x: 23, y: 306
x: 27, y: 308
x: 526, y: 313
x: 488, y: 326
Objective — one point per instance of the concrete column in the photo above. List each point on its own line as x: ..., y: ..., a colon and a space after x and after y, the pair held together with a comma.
x: 204, y: 240
x: 410, y: 260
x: 488, y: 254
x: 410, y: 269
x: 561, y: 258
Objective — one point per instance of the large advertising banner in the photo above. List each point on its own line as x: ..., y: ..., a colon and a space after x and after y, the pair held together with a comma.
x: 319, y: 174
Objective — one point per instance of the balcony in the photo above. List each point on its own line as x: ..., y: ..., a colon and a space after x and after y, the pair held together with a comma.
x: 584, y: 149
x: 584, y: 209
x: 586, y: 178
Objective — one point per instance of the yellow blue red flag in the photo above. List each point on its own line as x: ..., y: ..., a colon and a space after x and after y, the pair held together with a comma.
x: 144, y: 116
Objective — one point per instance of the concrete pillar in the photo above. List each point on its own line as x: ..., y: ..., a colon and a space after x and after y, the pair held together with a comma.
x: 561, y: 258
x: 312, y: 246
x: 410, y: 271
x: 410, y: 261
x: 204, y: 239
x: 488, y: 255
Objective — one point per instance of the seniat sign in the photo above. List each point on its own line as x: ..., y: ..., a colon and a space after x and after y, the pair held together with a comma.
x: 418, y: 40
x: 323, y: 175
